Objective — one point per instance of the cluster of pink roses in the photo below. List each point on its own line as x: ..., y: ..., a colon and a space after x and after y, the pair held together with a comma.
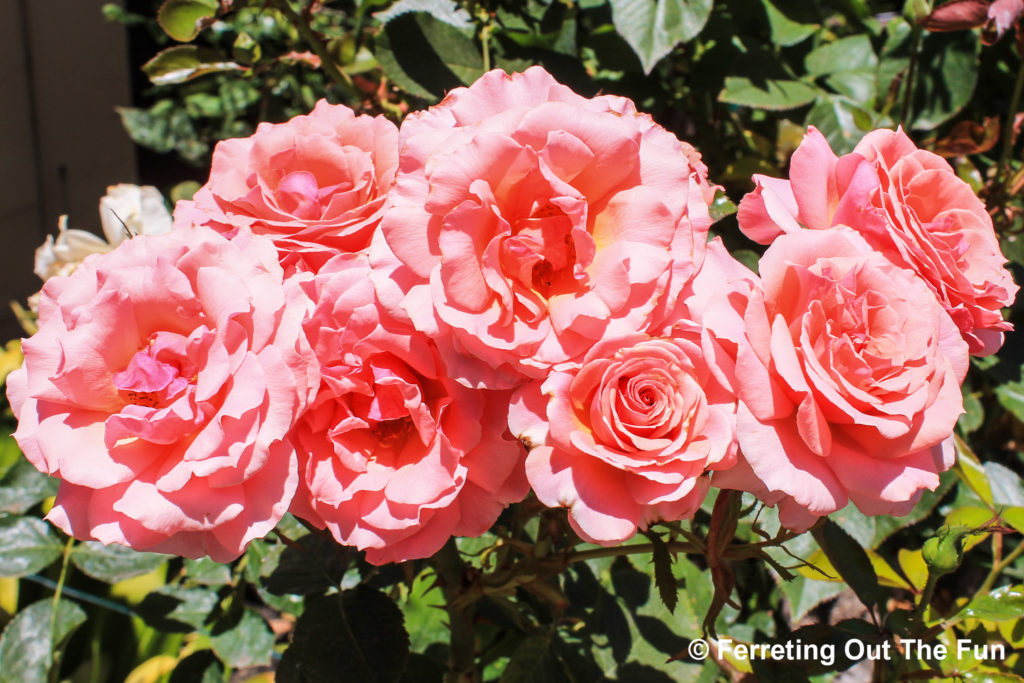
x: 393, y: 334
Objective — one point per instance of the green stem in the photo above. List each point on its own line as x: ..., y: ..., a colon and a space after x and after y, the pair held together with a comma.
x: 908, y: 92
x: 1007, y: 151
x: 926, y: 597
x: 326, y: 60
x: 638, y: 549
x: 462, y: 651
x: 485, y: 44
x: 54, y: 668
x: 997, y: 569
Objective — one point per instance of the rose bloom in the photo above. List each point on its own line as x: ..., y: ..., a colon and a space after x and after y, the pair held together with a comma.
x: 624, y: 437
x: 534, y: 222
x: 909, y: 204
x: 396, y: 457
x: 160, y: 388
x: 315, y: 184
x: 849, y: 381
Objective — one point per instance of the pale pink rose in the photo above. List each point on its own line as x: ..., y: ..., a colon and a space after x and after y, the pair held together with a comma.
x: 396, y: 457
x: 315, y: 184
x: 910, y: 205
x: 849, y: 381
x: 624, y: 437
x: 533, y: 222
x: 160, y: 389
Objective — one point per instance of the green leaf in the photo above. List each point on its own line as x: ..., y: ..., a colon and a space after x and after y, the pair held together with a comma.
x: 805, y: 594
x: 183, y: 19
x: 860, y: 527
x: 183, y: 63
x: 183, y: 190
x: 971, y: 472
x: 22, y: 486
x: 664, y: 579
x: 207, y: 572
x: 1006, y: 485
x: 791, y: 21
x: 847, y: 54
x: 164, y: 127
x: 758, y: 79
x: 442, y: 10
x: 949, y: 70
x: 1011, y: 396
x: 424, y: 612
x: 722, y: 206
x: 835, y: 117
x: 851, y: 561
x: 532, y: 662
x: 249, y: 643
x: 178, y: 609
x: 198, y: 667
x: 427, y: 57
x: 767, y: 93
x: 28, y: 545
x: 314, y: 565
x: 653, y: 27
x: 356, y: 635
x: 113, y: 563
x: 1001, y: 604
x: 974, y: 411
x: 246, y: 50
x: 10, y: 454
x: 25, y: 647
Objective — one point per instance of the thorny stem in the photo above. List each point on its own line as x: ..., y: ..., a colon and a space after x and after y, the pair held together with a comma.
x: 639, y: 548
x: 326, y: 60
x: 908, y: 92
x: 997, y: 568
x: 1007, y: 151
x: 462, y: 651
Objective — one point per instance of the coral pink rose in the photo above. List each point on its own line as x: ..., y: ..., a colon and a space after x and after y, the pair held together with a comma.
x: 534, y: 222
x: 909, y: 204
x: 849, y: 382
x: 623, y: 437
x: 315, y: 184
x: 160, y: 388
x: 396, y: 456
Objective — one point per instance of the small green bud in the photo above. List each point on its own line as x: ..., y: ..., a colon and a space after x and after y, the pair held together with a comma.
x: 944, y: 553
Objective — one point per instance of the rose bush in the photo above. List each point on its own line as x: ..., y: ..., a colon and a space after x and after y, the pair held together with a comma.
x: 315, y: 184
x: 395, y: 456
x: 160, y: 389
x: 533, y: 223
x: 908, y: 204
x: 848, y: 375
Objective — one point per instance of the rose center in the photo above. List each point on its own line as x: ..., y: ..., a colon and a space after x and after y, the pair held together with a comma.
x: 390, y: 433
x: 150, y: 381
x: 541, y: 253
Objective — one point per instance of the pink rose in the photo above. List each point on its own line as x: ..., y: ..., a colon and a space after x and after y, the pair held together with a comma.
x: 160, y: 388
x: 315, y: 184
x: 396, y: 457
x: 534, y: 222
x: 623, y: 437
x: 910, y: 205
x: 849, y: 381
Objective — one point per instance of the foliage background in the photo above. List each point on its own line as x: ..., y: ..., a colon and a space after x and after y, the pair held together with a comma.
x: 739, y: 79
